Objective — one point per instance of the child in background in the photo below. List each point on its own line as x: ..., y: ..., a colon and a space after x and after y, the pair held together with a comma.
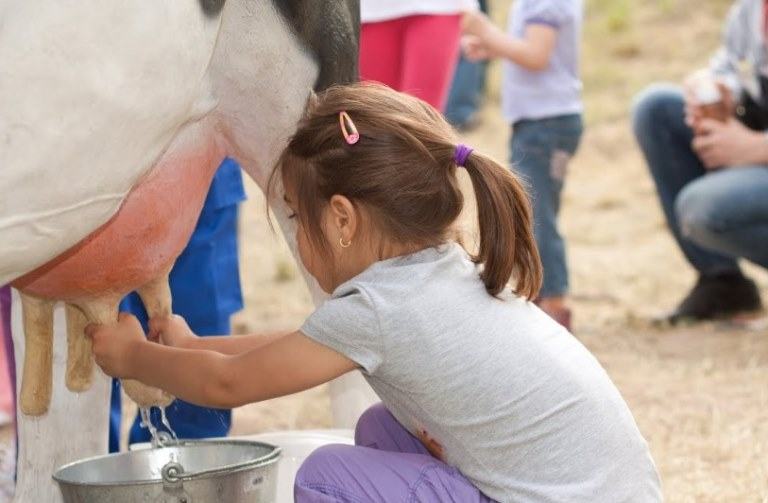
x: 541, y: 96
x: 485, y: 398
x: 411, y: 45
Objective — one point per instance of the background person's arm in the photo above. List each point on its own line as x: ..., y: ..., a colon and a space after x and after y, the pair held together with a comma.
x: 734, y: 48
x: 484, y: 40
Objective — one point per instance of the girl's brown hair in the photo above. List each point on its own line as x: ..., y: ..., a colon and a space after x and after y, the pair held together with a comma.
x: 403, y: 172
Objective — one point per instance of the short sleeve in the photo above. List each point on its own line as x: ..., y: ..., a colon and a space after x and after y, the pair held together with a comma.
x: 553, y: 13
x: 348, y: 323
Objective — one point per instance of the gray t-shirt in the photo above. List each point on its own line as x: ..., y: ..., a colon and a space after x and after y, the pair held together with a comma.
x: 519, y: 406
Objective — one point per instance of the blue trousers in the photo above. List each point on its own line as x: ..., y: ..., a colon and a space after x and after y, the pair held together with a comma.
x: 715, y: 216
x: 541, y: 150
x: 466, y: 88
x: 205, y: 286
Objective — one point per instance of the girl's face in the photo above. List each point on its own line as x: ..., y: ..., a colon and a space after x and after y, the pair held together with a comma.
x: 340, y: 224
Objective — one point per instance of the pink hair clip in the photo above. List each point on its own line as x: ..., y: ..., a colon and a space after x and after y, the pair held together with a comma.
x: 348, y: 128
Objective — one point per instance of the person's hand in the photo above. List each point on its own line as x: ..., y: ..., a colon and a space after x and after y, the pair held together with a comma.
x: 171, y: 331
x: 479, y: 36
x: 474, y: 48
x: 693, y: 110
x: 729, y: 144
x: 115, y: 344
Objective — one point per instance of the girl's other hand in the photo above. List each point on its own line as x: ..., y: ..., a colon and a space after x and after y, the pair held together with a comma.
x: 171, y: 331
x: 114, y: 345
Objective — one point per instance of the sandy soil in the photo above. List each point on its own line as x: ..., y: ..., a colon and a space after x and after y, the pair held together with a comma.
x: 699, y: 393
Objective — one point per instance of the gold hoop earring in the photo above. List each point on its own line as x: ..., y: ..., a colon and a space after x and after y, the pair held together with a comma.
x: 343, y: 244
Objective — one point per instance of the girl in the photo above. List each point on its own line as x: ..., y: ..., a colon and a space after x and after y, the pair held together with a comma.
x: 411, y: 45
x: 541, y: 96
x: 485, y: 398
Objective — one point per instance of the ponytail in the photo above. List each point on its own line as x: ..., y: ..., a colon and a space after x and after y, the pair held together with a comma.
x: 507, y: 245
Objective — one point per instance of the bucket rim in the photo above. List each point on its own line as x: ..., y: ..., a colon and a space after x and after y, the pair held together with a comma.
x: 269, y: 459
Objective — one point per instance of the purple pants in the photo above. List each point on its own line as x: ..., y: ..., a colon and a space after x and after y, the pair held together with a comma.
x: 387, y: 464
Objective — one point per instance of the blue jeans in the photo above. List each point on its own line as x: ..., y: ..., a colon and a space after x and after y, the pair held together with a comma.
x: 467, y: 87
x: 466, y: 92
x: 541, y: 151
x: 715, y: 216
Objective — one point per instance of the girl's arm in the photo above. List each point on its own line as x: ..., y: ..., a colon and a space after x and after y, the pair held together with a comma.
x: 288, y: 365
x: 485, y: 40
x: 174, y: 331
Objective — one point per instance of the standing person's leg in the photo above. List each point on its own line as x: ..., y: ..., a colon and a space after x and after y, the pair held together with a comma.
x: 381, y: 52
x: 727, y: 212
x: 665, y: 141
x: 464, y: 95
x: 205, y: 286
x: 541, y: 151
x: 387, y: 464
x: 430, y: 45
x: 466, y: 90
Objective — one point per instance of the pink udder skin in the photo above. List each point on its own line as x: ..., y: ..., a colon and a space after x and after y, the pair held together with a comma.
x: 142, y: 241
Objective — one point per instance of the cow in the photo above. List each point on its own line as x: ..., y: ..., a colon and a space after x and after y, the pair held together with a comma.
x: 113, y: 119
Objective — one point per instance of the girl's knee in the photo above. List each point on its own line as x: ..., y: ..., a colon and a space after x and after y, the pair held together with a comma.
x: 319, y: 466
x: 369, y: 424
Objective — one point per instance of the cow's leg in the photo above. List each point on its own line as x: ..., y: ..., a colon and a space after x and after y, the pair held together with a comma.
x: 36, y: 379
x: 350, y: 394
x: 156, y: 296
x: 75, y: 425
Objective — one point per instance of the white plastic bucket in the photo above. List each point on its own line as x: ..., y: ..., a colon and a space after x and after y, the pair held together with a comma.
x: 296, y: 446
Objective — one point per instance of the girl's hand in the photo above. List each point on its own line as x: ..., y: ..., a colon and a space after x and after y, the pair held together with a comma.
x: 171, y: 331
x: 114, y: 345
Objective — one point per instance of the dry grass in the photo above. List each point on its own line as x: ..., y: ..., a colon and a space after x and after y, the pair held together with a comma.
x: 699, y: 394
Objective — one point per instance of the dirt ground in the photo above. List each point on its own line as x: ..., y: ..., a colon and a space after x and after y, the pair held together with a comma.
x: 699, y: 393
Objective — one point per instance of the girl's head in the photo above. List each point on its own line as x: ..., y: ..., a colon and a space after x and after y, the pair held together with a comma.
x: 395, y: 190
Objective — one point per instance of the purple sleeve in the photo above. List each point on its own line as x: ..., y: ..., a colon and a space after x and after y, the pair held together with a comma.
x: 552, y: 13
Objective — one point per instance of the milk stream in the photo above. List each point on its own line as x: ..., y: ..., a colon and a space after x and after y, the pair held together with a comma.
x: 159, y: 438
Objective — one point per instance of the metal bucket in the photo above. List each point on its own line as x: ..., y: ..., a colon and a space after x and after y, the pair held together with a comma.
x: 207, y: 471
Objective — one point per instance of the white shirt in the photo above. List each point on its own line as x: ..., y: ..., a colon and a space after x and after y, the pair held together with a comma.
x: 372, y: 11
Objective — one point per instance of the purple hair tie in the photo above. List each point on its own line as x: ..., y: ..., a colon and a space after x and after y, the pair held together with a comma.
x: 461, y: 154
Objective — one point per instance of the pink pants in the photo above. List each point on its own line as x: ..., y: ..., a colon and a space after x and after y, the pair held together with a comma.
x: 413, y: 54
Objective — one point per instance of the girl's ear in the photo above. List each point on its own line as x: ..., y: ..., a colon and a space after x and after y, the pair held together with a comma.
x: 345, y: 218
